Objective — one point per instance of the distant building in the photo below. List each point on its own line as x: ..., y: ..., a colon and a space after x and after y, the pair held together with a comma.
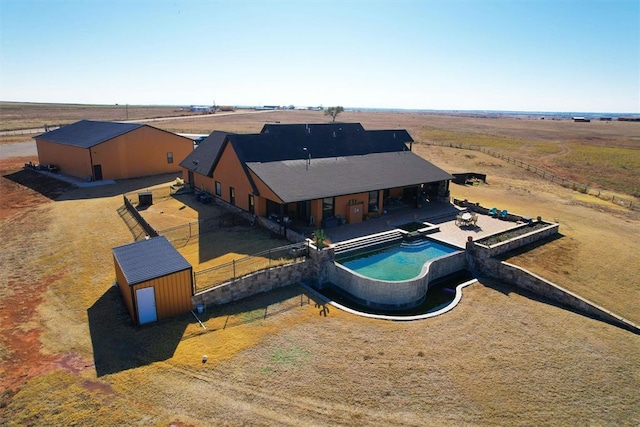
x: 581, y: 119
x: 200, y: 109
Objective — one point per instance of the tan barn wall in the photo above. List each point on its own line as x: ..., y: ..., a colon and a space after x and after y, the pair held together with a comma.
x: 141, y: 152
x: 172, y: 293
x: 71, y: 160
x: 125, y: 290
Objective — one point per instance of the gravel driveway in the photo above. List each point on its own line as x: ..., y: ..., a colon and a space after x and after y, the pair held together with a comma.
x: 18, y: 149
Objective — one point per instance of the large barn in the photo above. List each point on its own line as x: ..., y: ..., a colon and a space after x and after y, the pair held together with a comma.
x: 95, y: 151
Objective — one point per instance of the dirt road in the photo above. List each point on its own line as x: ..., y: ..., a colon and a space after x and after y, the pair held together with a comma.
x: 18, y: 149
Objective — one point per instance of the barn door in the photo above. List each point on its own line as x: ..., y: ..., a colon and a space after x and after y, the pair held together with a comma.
x: 97, y: 172
x: 146, y: 299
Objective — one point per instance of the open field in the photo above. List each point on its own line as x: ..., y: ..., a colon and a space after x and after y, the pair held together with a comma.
x: 502, y: 357
x: 26, y: 115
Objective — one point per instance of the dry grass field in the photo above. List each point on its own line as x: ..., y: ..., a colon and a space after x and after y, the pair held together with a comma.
x: 69, y: 355
x: 26, y: 115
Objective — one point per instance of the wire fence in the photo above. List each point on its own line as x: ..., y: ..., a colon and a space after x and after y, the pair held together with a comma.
x: 30, y: 131
x: 183, y: 234
x: 576, y: 186
x: 244, y: 266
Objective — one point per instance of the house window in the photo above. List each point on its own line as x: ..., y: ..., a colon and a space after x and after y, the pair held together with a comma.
x: 170, y: 157
x: 252, y: 204
x: 232, y: 195
x: 218, y: 189
x: 373, y: 201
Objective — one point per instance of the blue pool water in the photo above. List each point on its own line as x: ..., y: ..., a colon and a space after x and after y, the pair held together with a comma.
x: 396, y: 263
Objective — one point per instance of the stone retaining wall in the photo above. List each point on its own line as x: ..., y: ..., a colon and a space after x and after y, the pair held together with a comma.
x: 484, y: 251
x: 261, y: 281
x: 522, y: 278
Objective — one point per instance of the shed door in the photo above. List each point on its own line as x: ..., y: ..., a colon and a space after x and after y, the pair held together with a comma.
x: 146, y: 305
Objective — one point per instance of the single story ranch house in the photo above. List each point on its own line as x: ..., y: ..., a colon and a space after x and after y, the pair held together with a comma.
x: 323, y: 174
x: 95, y: 150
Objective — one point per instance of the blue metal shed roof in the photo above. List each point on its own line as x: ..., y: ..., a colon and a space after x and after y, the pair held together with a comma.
x: 149, y: 259
x: 87, y: 133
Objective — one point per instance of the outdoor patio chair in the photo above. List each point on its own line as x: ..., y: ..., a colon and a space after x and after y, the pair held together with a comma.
x: 474, y: 219
x: 493, y: 211
x: 459, y: 219
x: 503, y: 214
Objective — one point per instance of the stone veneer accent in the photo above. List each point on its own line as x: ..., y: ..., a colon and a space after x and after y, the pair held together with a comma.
x: 481, y: 258
x: 522, y: 278
x: 485, y: 251
x: 252, y: 284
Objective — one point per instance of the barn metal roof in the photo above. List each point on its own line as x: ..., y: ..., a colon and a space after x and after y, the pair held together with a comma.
x: 87, y: 133
x: 148, y: 259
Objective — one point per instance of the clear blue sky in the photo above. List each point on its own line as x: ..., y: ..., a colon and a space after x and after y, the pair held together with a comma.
x: 544, y: 55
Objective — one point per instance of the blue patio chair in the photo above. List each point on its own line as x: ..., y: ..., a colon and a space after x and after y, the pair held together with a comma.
x: 503, y: 214
x: 493, y: 212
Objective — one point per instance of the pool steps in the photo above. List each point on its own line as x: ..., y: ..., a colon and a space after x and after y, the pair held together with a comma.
x: 368, y: 241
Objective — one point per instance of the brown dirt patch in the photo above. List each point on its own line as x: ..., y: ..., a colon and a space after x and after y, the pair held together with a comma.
x: 23, y: 188
x: 20, y: 338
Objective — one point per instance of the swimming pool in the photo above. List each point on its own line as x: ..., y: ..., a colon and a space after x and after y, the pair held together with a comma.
x: 396, y: 263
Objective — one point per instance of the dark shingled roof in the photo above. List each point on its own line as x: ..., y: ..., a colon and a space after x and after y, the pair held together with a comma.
x: 295, y: 180
x: 291, y: 142
x: 87, y: 133
x: 148, y: 259
x: 202, y: 159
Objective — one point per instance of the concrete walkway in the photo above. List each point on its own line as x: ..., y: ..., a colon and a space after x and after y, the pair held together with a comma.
x: 437, y: 213
x: 76, y: 181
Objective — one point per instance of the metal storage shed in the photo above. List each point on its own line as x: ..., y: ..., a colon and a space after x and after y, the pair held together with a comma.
x: 155, y: 280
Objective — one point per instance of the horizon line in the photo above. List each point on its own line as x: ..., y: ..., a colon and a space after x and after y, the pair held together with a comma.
x: 347, y: 108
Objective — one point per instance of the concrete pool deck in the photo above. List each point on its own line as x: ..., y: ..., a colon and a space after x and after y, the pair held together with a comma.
x: 437, y: 213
